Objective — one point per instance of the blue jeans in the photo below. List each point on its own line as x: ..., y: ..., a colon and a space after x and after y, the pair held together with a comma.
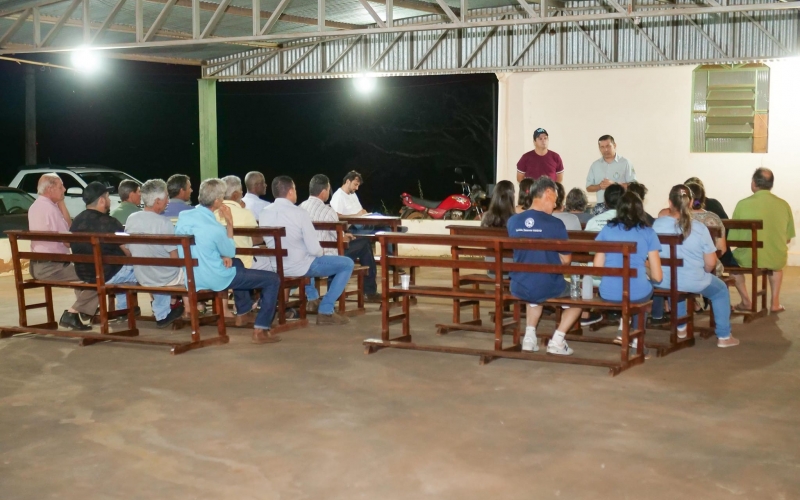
x: 251, y: 279
x: 717, y: 293
x: 124, y: 275
x: 635, y: 318
x: 160, y: 305
x: 329, y: 265
x: 362, y: 229
x: 360, y: 249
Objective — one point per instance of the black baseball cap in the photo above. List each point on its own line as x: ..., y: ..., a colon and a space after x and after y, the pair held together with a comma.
x: 94, y: 191
x: 539, y: 131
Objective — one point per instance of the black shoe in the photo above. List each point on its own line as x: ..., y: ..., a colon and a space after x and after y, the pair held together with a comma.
x: 659, y: 321
x: 171, y: 317
x: 373, y: 298
x: 136, y: 312
x: 592, y: 319
x: 73, y: 322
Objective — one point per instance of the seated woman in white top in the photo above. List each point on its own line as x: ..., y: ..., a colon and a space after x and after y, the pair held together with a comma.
x: 699, y: 260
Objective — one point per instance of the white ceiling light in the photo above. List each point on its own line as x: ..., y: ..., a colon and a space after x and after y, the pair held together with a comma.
x: 85, y: 60
x: 365, y: 83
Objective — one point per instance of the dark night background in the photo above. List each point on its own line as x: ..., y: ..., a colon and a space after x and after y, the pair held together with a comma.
x: 142, y: 118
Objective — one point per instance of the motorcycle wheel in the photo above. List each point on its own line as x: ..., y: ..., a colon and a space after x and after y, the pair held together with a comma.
x: 414, y: 215
x: 472, y: 214
x: 454, y: 215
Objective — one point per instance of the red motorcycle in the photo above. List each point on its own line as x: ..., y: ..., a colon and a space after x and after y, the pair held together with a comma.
x: 455, y: 207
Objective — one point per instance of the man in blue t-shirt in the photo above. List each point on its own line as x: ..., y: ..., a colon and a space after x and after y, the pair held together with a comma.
x: 536, y: 288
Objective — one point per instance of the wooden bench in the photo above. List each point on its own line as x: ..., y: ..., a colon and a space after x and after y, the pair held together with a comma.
x: 377, y: 221
x: 499, y: 295
x: 661, y: 348
x: 756, y: 273
x: 131, y: 334
x: 287, y: 282
x: 359, y: 271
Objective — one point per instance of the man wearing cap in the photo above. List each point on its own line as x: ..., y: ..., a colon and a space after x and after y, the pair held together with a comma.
x: 610, y: 169
x: 95, y: 219
x: 541, y: 161
x: 48, y: 213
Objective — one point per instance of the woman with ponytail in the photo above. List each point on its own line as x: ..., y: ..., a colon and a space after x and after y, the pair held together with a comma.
x: 709, y: 219
x: 699, y: 260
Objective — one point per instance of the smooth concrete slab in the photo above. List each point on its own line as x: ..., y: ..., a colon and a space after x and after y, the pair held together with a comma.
x: 312, y: 417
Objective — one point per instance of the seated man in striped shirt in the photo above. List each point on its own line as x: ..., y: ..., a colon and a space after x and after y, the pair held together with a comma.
x: 359, y: 249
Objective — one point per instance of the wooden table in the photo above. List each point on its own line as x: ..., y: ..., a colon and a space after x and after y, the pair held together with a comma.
x: 379, y: 220
x: 373, y: 220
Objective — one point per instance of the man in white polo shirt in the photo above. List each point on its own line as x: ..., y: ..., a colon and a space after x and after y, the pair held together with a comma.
x: 256, y: 188
x: 345, y: 200
x: 610, y: 169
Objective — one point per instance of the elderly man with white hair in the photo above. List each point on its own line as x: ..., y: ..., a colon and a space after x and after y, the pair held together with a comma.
x: 241, y: 216
x: 49, y: 213
x: 256, y: 188
x: 150, y: 221
x: 218, y: 270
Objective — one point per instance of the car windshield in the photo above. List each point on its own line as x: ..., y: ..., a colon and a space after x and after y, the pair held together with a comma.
x: 109, y: 179
x: 14, y: 203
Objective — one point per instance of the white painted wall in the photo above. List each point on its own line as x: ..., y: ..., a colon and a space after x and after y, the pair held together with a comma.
x: 648, y: 112
x: 438, y: 227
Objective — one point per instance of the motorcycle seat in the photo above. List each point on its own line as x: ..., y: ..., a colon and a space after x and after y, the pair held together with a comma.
x: 425, y: 203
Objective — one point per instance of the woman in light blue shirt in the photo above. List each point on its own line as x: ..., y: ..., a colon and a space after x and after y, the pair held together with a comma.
x: 699, y: 260
x: 630, y: 224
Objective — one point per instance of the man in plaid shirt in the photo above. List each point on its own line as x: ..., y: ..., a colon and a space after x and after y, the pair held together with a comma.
x: 359, y: 249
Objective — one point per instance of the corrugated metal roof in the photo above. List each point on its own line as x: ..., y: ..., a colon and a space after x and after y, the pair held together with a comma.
x: 724, y: 36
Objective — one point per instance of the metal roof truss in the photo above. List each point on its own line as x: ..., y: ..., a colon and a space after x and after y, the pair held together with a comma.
x: 406, y: 37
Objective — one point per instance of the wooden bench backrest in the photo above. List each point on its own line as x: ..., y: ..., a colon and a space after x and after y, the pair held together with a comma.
x: 267, y: 232
x: 748, y: 225
x: 493, y: 246
x: 501, y: 245
x: 339, y: 228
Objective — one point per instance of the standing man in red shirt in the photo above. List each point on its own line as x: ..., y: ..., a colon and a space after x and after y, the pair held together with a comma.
x: 541, y: 161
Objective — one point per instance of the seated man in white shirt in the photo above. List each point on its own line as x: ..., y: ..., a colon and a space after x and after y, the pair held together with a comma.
x: 345, y: 202
x: 256, y: 188
x: 305, y: 255
x: 319, y: 190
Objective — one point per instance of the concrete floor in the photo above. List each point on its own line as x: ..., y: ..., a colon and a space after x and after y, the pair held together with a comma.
x: 314, y: 418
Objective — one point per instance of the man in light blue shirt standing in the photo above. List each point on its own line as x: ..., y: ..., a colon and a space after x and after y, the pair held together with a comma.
x: 305, y: 256
x: 218, y: 270
x: 610, y: 169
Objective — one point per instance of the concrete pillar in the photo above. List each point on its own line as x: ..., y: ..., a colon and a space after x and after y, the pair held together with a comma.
x: 30, y: 115
x: 207, y: 94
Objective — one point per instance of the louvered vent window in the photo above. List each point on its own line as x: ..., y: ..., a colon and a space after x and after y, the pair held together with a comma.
x: 730, y: 109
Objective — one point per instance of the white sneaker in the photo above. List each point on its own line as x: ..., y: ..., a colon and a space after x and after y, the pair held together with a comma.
x: 682, y: 332
x: 560, y: 349
x: 530, y: 344
x: 728, y: 342
x: 632, y: 344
